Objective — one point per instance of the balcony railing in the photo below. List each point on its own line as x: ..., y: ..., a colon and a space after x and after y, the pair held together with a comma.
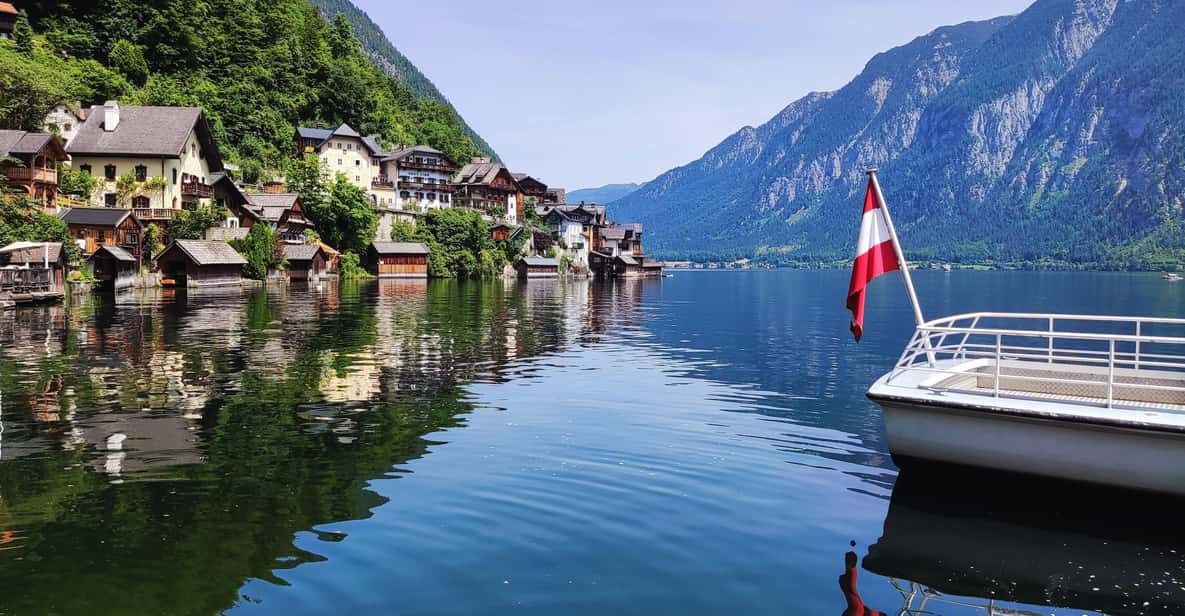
x: 411, y: 164
x: 195, y: 189
x: 155, y: 213
x: 441, y: 187
x: 31, y: 174
x: 383, y: 181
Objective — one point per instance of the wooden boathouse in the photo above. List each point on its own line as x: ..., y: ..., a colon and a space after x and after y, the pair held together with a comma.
x: 114, y: 267
x: 200, y: 263
x: 305, y: 261
x: 398, y: 259
x: 538, y: 267
x: 32, y: 272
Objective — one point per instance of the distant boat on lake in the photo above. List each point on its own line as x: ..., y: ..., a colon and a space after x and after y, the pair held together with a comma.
x: 1173, y: 277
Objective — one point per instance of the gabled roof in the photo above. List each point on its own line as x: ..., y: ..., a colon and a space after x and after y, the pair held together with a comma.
x: 284, y: 200
x: 301, y: 252
x: 24, y: 143
x: 321, y: 135
x: 541, y: 261
x: 627, y: 259
x: 96, y: 216
x: 483, y: 173
x: 206, y: 252
x: 115, y: 251
x: 30, y: 252
x: 525, y: 179
x: 158, y: 132
x: 7, y: 7
x: 400, y: 248
x: 613, y: 233
x: 403, y: 152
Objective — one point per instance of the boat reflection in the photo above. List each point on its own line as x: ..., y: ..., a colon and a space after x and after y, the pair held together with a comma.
x: 1004, y: 538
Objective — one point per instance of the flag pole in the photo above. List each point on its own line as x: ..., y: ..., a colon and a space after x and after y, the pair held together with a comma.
x: 913, y: 296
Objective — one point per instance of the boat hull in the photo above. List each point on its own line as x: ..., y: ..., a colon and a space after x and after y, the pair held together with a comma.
x: 1141, y: 458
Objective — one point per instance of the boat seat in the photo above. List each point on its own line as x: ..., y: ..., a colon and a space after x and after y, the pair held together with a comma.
x: 1074, y: 382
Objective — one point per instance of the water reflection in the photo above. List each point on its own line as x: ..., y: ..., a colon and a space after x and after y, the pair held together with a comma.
x: 1001, y: 538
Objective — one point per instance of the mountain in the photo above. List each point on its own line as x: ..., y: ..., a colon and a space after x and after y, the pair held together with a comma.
x: 602, y: 194
x: 259, y: 69
x: 1056, y: 134
x: 383, y: 54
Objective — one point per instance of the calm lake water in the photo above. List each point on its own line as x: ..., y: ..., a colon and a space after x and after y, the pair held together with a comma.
x: 698, y: 444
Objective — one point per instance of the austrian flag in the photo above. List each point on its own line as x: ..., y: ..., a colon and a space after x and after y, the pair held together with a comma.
x: 874, y: 256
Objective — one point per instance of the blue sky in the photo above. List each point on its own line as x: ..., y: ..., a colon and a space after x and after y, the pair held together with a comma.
x: 581, y: 94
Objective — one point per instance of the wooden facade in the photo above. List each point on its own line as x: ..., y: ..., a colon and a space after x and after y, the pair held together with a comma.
x: 32, y: 267
x: 114, y: 267
x: 33, y: 169
x: 91, y: 228
x: 537, y: 267
x: 305, y: 262
x: 200, y: 263
x: 398, y: 259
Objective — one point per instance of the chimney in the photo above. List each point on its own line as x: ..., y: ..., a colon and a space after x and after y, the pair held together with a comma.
x: 110, y: 115
x: 273, y: 186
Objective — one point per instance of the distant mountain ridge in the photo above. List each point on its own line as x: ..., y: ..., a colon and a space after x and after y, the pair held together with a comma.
x: 384, y: 55
x: 1054, y: 134
x: 602, y: 194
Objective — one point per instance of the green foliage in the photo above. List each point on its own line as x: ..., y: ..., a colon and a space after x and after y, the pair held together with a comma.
x: 153, y: 239
x: 263, y: 250
x: 403, y: 231
x: 550, y: 253
x: 192, y: 224
x: 311, y: 237
x: 81, y: 275
x: 23, y: 220
x: 350, y: 268
x: 73, y: 182
x: 127, y: 58
x: 339, y: 210
x: 460, y: 243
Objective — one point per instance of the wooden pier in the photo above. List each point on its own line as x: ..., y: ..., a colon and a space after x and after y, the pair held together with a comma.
x: 27, y: 286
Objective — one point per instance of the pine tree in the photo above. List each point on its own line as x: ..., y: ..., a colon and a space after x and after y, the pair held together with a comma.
x: 22, y: 34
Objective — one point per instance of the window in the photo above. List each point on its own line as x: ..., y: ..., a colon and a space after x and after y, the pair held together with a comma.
x: 141, y: 173
x: 81, y: 234
x: 174, y: 176
x: 67, y: 126
x: 193, y: 148
x: 431, y: 196
x: 109, y: 199
x: 444, y: 198
x: 339, y: 162
x: 357, y: 163
x: 109, y: 172
x: 102, y: 236
x: 85, y: 169
x: 131, y: 239
x: 141, y: 202
x: 357, y: 178
x: 403, y: 194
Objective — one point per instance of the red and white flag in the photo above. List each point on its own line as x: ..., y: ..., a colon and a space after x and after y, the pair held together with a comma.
x: 874, y: 256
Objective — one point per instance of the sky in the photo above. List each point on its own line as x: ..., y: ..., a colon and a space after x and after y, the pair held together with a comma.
x: 580, y: 93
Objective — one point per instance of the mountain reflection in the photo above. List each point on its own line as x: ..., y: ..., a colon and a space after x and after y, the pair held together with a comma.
x: 158, y: 452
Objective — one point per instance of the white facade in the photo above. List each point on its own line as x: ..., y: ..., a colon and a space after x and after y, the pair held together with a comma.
x: 191, y: 163
x: 63, y: 121
x: 350, y: 157
x: 419, y: 189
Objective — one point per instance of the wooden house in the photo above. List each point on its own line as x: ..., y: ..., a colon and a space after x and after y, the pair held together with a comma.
x: 32, y: 267
x: 398, y: 259
x: 529, y: 188
x: 200, y: 263
x: 92, y: 227
x: 501, y: 232
x: 30, y: 162
x: 114, y: 267
x: 283, y: 211
x: 489, y: 187
x: 538, y: 267
x: 305, y: 261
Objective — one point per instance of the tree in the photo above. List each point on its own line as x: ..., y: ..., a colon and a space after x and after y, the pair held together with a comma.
x: 262, y: 249
x: 127, y: 58
x: 73, y: 182
x: 153, y: 241
x: 403, y: 231
x: 22, y: 34
x: 192, y: 224
x: 27, y: 90
x: 461, y: 244
x: 21, y: 219
x: 340, y: 211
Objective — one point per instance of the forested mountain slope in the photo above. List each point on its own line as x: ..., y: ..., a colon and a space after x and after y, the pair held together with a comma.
x: 1057, y: 134
x: 258, y: 67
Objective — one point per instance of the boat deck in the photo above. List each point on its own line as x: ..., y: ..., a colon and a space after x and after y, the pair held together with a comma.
x: 1073, y: 384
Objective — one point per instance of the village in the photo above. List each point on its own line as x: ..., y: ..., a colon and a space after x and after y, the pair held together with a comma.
x: 149, y: 164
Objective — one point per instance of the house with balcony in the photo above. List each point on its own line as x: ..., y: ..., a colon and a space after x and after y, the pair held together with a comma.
x: 531, y: 191
x: 421, y: 176
x: 617, y: 252
x: 283, y: 212
x: 490, y: 188
x: 35, y: 170
x: 94, y: 227
x: 343, y: 150
x: 168, y: 152
x: 573, y: 227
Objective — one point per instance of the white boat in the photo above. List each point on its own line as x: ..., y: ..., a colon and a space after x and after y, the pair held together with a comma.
x: 1087, y: 398
x: 1173, y: 277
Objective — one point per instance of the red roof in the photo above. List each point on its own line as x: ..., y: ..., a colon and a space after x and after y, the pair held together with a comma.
x: 7, y: 7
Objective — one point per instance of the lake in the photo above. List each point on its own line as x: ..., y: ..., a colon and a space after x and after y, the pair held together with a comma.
x: 697, y: 444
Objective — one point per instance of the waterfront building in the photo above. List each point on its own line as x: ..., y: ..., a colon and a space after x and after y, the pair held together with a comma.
x: 617, y: 252
x: 34, y: 256
x: 501, y: 232
x: 573, y: 227
x: 200, y: 263
x: 169, y: 152
x: 343, y: 150
x: 283, y: 212
x: 531, y: 191
x: 398, y: 259
x: 305, y: 261
x: 38, y: 154
x: 538, y: 267
x: 92, y: 227
x: 65, y: 120
x: 114, y: 267
x: 490, y: 188
x: 420, y: 177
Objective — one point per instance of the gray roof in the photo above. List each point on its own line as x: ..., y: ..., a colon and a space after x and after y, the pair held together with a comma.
x: 144, y: 131
x: 322, y: 135
x: 541, y: 261
x: 119, y: 253
x: 284, y: 200
x: 481, y: 173
x: 97, y: 216
x: 405, y: 151
x: 613, y: 233
x: 400, y: 248
x: 208, y: 252
x: 627, y: 259
x: 30, y: 252
x: 301, y: 252
x: 17, y: 142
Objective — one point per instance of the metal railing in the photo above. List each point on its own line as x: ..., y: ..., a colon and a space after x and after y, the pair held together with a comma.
x: 1103, y: 360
